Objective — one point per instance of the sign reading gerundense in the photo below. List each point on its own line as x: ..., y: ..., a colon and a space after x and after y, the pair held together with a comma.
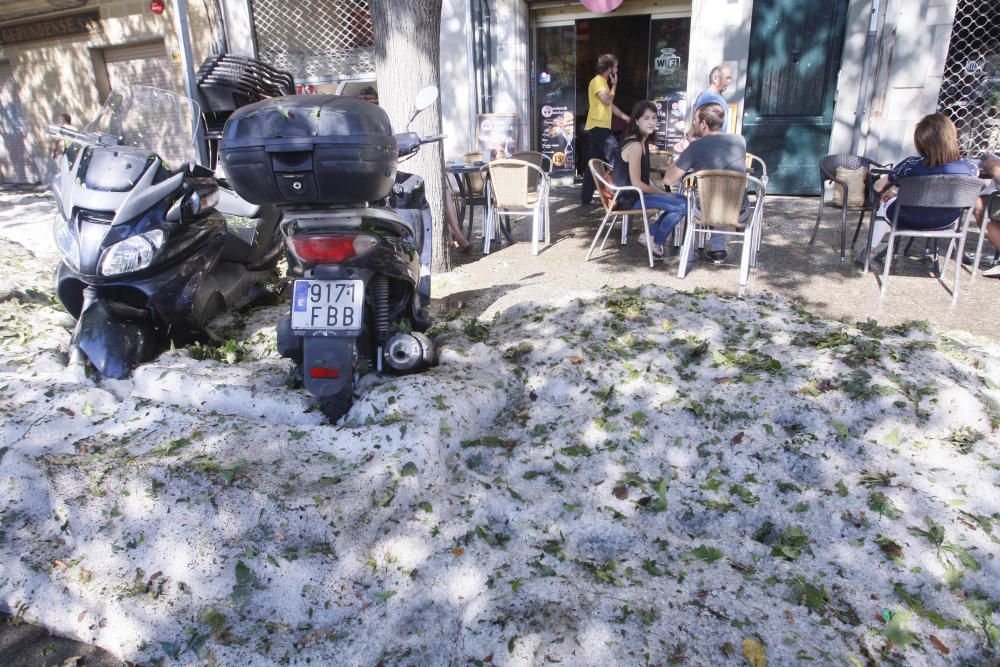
x: 50, y: 28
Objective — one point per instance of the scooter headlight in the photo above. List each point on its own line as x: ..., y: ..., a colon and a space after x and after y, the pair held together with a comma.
x: 65, y: 241
x: 132, y: 254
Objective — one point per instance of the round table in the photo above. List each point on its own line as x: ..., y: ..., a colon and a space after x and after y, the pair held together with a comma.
x: 468, y: 198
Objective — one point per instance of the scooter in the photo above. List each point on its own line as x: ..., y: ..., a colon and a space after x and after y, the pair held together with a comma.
x: 148, y: 257
x: 360, y: 269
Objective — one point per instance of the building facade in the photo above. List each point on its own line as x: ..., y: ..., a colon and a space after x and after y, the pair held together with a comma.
x: 64, y: 56
x: 811, y: 77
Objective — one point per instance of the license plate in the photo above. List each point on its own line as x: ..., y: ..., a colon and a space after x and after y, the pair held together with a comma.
x: 328, y: 305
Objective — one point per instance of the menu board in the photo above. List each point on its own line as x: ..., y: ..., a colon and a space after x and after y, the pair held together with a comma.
x: 556, y: 139
x: 669, y: 41
x: 497, y: 134
x: 673, y: 125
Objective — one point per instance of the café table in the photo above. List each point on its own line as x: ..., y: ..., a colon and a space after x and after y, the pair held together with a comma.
x: 468, y: 198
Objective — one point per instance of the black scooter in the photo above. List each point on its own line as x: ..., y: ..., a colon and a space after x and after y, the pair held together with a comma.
x: 148, y: 257
x: 359, y: 235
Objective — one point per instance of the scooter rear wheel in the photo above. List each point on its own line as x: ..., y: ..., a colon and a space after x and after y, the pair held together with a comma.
x: 337, y: 405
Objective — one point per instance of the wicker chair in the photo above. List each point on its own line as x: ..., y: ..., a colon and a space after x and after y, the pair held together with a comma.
x: 610, y: 194
x: 991, y: 213
x: 828, y: 167
x: 941, y: 191
x: 541, y: 160
x: 715, y: 200
x: 516, y: 187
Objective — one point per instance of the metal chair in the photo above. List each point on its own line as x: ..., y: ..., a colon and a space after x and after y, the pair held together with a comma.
x: 610, y: 194
x: 516, y: 187
x: 757, y: 168
x: 941, y: 191
x: 991, y: 213
x: 715, y: 200
x: 471, y: 192
x: 541, y: 160
x: 828, y: 167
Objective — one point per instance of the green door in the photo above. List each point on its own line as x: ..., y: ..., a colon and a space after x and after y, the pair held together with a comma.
x: 795, y: 48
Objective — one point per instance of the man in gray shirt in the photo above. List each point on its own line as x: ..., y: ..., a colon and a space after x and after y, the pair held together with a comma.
x: 713, y: 150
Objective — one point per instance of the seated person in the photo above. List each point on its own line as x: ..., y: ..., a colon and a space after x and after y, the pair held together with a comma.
x: 713, y: 150
x: 991, y: 167
x: 632, y: 168
x: 937, y: 143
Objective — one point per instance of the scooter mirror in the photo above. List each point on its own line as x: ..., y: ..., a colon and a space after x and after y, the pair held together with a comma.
x: 425, y: 97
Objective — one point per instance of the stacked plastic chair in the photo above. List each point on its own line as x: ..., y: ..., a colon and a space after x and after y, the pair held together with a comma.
x: 227, y: 82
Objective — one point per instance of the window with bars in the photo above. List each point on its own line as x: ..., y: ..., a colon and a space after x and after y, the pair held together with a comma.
x: 970, y: 91
x: 317, y: 41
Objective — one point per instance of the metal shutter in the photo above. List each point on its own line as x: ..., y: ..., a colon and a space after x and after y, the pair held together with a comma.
x: 14, y: 151
x: 142, y: 64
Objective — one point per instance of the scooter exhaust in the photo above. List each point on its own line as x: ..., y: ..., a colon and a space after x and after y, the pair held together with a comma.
x: 409, y: 351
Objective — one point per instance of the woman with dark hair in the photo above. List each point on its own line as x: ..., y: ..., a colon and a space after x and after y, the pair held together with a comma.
x: 632, y: 168
x: 937, y: 143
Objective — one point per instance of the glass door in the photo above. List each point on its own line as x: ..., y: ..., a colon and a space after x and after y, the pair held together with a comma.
x: 669, y: 40
x: 555, y: 96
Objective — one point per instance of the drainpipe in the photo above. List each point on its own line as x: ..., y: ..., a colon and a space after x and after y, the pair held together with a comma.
x: 875, y: 28
x: 190, y: 86
x: 470, y: 49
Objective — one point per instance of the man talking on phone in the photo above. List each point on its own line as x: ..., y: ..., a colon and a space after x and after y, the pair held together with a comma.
x: 600, y: 97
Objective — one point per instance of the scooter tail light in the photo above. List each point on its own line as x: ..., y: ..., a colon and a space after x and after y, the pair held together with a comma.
x: 324, y: 373
x: 320, y: 248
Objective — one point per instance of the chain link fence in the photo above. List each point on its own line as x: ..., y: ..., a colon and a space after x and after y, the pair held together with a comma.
x: 970, y: 92
x: 317, y: 41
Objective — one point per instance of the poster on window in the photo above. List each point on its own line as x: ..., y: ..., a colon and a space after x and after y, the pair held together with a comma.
x: 497, y: 134
x: 669, y: 40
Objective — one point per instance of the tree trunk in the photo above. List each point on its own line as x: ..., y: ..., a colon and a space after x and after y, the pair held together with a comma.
x: 407, y: 52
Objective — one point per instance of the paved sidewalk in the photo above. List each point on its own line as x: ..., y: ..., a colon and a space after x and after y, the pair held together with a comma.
x: 787, y: 266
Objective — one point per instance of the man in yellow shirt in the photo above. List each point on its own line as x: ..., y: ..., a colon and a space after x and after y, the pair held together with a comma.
x: 600, y: 96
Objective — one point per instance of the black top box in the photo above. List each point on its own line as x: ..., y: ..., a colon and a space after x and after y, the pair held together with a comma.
x: 310, y: 149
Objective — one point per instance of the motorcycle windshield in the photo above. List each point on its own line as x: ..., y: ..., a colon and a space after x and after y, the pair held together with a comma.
x: 151, y: 119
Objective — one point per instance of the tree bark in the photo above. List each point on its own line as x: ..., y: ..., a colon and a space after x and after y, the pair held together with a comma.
x: 407, y: 58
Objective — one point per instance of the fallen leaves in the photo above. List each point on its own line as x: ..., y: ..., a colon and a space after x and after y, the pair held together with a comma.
x: 754, y: 652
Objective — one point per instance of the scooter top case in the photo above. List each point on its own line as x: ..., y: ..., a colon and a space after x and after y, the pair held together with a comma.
x: 310, y: 149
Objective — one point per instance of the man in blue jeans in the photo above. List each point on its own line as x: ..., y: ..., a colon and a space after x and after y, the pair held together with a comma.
x: 714, y: 150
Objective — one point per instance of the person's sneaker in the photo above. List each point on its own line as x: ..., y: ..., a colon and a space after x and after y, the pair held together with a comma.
x: 654, y: 247
x: 717, y: 256
x: 992, y: 273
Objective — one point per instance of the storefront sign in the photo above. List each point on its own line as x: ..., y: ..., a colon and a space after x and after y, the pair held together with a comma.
x: 497, y: 134
x: 81, y: 23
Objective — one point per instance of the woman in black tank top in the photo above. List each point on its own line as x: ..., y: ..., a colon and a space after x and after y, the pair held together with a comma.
x: 632, y: 168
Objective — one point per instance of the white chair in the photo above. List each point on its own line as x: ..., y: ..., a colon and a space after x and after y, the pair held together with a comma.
x: 610, y: 194
x: 940, y: 191
x: 516, y: 187
x: 715, y: 200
